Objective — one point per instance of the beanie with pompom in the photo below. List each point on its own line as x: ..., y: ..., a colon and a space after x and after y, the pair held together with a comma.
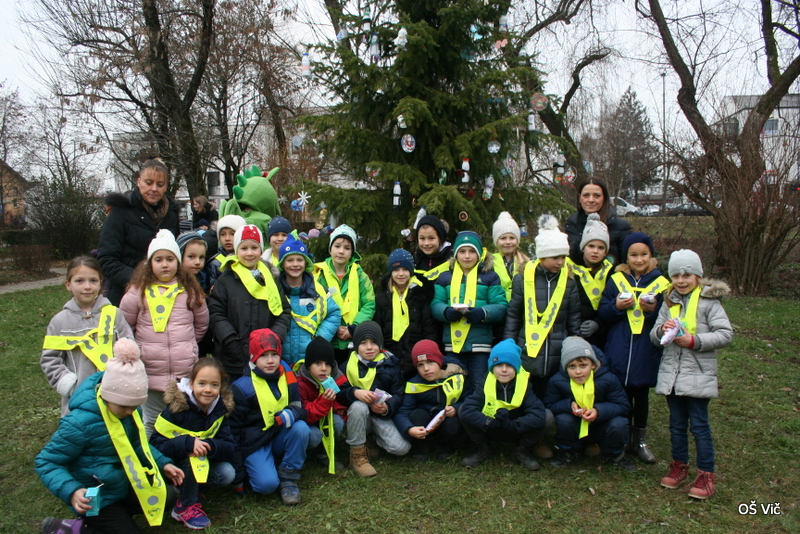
x: 505, y: 224
x: 164, y: 240
x: 550, y: 241
x: 124, y: 381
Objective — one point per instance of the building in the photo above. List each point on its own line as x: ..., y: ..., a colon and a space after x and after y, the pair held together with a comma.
x: 12, y: 201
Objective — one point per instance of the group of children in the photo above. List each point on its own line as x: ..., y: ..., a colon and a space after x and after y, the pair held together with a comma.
x: 456, y: 341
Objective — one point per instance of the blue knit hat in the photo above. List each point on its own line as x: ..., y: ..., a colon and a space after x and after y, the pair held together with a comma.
x: 278, y: 224
x: 632, y: 239
x: 400, y: 258
x: 294, y: 246
x: 507, y: 351
x: 468, y: 239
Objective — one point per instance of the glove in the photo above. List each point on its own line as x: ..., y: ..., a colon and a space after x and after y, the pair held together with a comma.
x: 351, y: 328
x: 66, y: 385
x: 284, y: 418
x: 502, y: 414
x: 588, y: 328
x: 451, y: 315
x: 475, y: 315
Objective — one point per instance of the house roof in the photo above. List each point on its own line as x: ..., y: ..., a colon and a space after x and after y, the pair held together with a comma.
x: 5, y: 168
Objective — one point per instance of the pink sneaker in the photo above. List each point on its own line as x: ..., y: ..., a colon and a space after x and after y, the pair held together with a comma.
x: 678, y: 471
x: 192, y: 516
x: 703, y: 486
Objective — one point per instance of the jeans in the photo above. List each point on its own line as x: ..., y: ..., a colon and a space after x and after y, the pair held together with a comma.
x: 611, y: 435
x: 289, y: 445
x: 219, y: 474
x: 689, y: 413
x: 477, y: 366
x: 315, y: 432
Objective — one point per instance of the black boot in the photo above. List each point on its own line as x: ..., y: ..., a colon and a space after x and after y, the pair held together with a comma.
x: 481, y: 452
x: 619, y: 460
x: 564, y: 457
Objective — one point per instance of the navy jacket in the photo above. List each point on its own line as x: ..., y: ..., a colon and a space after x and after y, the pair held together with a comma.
x: 528, y: 417
x: 388, y: 377
x: 432, y: 401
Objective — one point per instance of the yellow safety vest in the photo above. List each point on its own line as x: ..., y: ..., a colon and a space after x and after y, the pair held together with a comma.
x: 492, y: 403
x: 432, y: 274
x: 349, y: 304
x: 593, y: 286
x: 690, y: 315
x: 400, y: 317
x: 459, y: 330
x: 328, y: 436
x: 352, y: 372
x: 200, y: 465
x: 96, y: 344
x: 635, y: 314
x: 452, y: 387
x: 505, y: 279
x: 584, y: 398
x: 268, y: 292
x: 160, y: 304
x: 267, y: 403
x: 220, y: 257
x: 311, y: 322
x: 538, y: 325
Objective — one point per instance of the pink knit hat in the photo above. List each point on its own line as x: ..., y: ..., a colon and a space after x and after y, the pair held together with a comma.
x: 125, y: 380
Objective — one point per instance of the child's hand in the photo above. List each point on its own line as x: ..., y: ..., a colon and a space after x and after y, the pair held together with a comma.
x: 577, y: 410
x: 589, y: 415
x: 365, y: 396
x: 647, y: 307
x: 201, y: 448
x: 624, y: 304
x: 379, y: 409
x: 79, y: 502
x: 343, y: 333
x: 416, y: 432
x: 685, y: 341
x: 450, y: 411
x: 329, y: 394
x: 668, y: 325
x: 173, y: 473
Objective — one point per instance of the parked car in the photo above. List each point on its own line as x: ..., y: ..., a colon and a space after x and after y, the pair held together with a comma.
x: 686, y: 209
x: 624, y: 207
x: 650, y: 210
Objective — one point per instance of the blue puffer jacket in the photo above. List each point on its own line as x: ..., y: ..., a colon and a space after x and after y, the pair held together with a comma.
x: 81, y: 447
x: 303, y: 301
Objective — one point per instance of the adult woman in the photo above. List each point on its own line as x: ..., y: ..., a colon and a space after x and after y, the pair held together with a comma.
x: 133, y: 222
x: 203, y: 209
x: 593, y: 198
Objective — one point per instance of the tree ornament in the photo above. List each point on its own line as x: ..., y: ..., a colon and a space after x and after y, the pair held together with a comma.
x: 374, y: 48
x: 396, y: 196
x: 296, y: 206
x: 305, y: 66
x: 531, y: 121
x: 558, y: 166
x: 401, y: 122
x: 539, y: 102
x: 493, y: 147
x: 366, y: 21
x: 487, y: 190
x: 470, y: 193
x: 342, y: 35
x: 408, y: 143
x: 303, y: 197
x: 463, y: 216
x: 465, y: 168
x: 503, y: 23
x: 402, y: 38
x: 443, y: 176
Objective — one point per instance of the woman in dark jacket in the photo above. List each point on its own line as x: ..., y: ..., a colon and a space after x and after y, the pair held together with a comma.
x: 132, y: 223
x: 593, y: 198
x: 203, y: 209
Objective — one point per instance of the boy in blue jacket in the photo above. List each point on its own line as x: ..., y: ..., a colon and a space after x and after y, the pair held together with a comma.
x: 589, y: 406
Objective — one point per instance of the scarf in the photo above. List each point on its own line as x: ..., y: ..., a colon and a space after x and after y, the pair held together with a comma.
x: 400, y: 318
x: 459, y: 330
x: 350, y: 303
x: 538, y: 325
x: 268, y: 292
x: 584, y: 398
x: 492, y: 403
x: 352, y: 371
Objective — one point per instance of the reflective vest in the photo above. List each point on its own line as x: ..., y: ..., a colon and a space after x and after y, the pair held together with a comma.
x: 352, y: 372
x: 160, y: 304
x: 96, y: 344
x: 538, y: 325
x: 433, y: 274
x: 452, y: 387
x: 491, y: 403
x: 310, y: 323
x: 200, y: 465
x: 593, y: 286
x: 350, y: 303
x: 267, y: 403
x: 505, y: 278
x: 635, y: 314
x: 690, y: 315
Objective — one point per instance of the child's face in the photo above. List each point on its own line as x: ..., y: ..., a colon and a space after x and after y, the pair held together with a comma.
x: 467, y: 258
x: 249, y: 252
x: 226, y: 239
x: 320, y: 370
x: 84, y: 283
x: 428, y: 240
x: 401, y: 277
x: 294, y: 266
x: 504, y: 373
x: 203, y: 227
x: 507, y: 244
x: 205, y: 386
x: 579, y: 370
x: 341, y: 251
x: 194, y: 258
x: 276, y: 240
x: 639, y: 258
x: 429, y: 370
x: 269, y: 362
x: 552, y: 265
x: 594, y: 252
x: 368, y: 349
x: 685, y: 283
x: 164, y: 265
x: 119, y: 410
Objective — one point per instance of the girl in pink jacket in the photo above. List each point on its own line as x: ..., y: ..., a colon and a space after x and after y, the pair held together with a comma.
x: 167, y: 311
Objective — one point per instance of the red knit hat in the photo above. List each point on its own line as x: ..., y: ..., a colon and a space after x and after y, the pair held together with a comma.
x: 263, y: 340
x: 427, y: 350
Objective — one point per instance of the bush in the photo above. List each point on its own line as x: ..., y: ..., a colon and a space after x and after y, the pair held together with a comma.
x: 31, y: 258
x: 25, y: 237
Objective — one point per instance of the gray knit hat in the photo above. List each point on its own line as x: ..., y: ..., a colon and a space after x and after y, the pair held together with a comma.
x: 595, y: 230
x: 186, y: 238
x: 575, y: 347
x: 685, y: 261
x: 368, y: 330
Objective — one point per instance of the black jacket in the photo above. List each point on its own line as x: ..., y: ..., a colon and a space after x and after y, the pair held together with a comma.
x: 618, y: 230
x: 529, y: 417
x: 388, y: 378
x: 125, y: 236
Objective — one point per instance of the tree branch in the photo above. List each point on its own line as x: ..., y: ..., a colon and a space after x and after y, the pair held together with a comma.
x: 597, y: 55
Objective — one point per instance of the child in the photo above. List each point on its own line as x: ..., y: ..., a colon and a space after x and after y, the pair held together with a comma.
x: 402, y: 309
x: 201, y: 227
x: 193, y: 257
x: 245, y: 298
x: 349, y: 285
x: 226, y: 229
x: 371, y: 368
x: 630, y: 354
x: 509, y: 261
x: 268, y: 421
x: 433, y: 250
x: 314, y: 313
x: 278, y: 230
x: 589, y: 405
x: 427, y: 395
x: 688, y: 371
x: 505, y: 409
x: 101, y: 442
x: 470, y: 298
x: 80, y: 337
x: 591, y: 271
x: 166, y: 309
x: 194, y: 432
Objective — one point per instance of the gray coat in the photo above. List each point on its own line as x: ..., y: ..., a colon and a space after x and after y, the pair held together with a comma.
x: 693, y: 372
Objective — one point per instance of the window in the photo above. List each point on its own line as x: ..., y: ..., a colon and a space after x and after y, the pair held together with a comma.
x: 771, y: 127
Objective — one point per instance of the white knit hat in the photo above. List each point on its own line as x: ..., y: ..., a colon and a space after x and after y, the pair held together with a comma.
x: 248, y: 231
x: 505, y: 224
x: 685, y: 261
x: 164, y: 240
x: 124, y: 381
x: 234, y: 222
x: 550, y: 242
x: 595, y: 230
x: 343, y: 231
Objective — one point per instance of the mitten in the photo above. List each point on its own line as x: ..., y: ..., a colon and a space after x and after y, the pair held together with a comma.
x: 66, y: 384
x: 284, y: 418
x: 588, y: 328
x: 475, y: 315
x: 451, y: 315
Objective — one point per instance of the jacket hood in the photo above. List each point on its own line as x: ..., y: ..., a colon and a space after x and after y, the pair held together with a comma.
x: 99, y: 302
x: 711, y: 289
x: 625, y: 268
x: 85, y: 397
x: 117, y: 200
x: 178, y: 401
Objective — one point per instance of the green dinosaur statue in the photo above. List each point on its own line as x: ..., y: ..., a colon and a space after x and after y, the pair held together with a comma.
x: 254, y: 198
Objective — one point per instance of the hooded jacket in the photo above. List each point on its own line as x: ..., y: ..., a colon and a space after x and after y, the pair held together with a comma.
x: 317, y: 406
x: 303, y: 301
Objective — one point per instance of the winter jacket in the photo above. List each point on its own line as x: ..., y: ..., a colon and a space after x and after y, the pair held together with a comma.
x: 610, y: 399
x: 125, y: 236
x: 234, y: 313
x: 208, y: 213
x: 303, y: 301
x: 530, y: 416
x: 183, y: 412
x: 631, y: 357
x: 317, y: 406
x: 693, y: 372
x: 170, y: 354
x: 489, y: 295
x: 568, y: 320
x: 246, y: 421
x: 388, y: 377
x: 366, y: 300
x: 212, y: 268
x: 62, y: 367
x: 81, y: 448
x: 431, y: 401
x: 420, y: 323
x: 423, y: 262
x: 618, y: 230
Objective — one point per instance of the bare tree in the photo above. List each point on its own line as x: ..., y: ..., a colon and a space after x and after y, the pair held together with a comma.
x: 13, y: 135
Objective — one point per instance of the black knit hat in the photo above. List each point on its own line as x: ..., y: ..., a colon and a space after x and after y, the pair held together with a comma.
x: 436, y: 223
x: 320, y: 350
x: 368, y: 330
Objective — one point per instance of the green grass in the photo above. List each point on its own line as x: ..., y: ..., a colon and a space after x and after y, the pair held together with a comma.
x: 755, y: 421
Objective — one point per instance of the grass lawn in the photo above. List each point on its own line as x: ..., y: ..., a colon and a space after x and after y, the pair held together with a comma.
x: 756, y: 423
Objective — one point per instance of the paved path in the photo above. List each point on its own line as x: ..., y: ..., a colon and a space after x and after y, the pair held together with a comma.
x: 58, y: 279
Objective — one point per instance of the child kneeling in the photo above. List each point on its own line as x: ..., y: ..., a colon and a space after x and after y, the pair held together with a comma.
x: 505, y: 408
x: 589, y: 405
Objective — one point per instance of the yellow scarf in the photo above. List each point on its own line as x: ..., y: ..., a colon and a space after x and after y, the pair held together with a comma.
x: 96, y: 344
x: 635, y: 314
x: 352, y: 373
x: 152, y: 496
x: 267, y: 403
x: 690, y: 315
x: 311, y: 322
x: 349, y: 304
x: 492, y: 403
x: 220, y: 257
x: 593, y: 286
x: 161, y: 304
x: 584, y: 398
x: 328, y: 436
x: 460, y: 329
x: 200, y: 465
x: 432, y: 274
x: 452, y: 387
x: 505, y: 279
x: 538, y: 325
x: 268, y: 292
x: 400, y: 318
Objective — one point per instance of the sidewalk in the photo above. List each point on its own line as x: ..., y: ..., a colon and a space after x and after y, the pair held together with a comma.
x: 58, y: 279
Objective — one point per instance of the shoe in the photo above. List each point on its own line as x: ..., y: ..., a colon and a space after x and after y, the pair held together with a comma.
x: 419, y: 451
x: 620, y: 460
x: 678, y: 472
x: 703, y: 486
x: 359, y: 462
x: 524, y: 459
x: 240, y: 491
x: 192, y: 516
x: 290, y: 492
x: 563, y: 457
x: 322, y: 460
x: 543, y: 451
x: 51, y: 525
x: 373, y: 450
x: 443, y: 452
x: 639, y: 445
x: 478, y: 457
x: 591, y: 450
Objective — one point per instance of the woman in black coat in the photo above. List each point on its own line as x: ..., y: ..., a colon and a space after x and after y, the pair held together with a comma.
x: 203, y: 209
x: 593, y: 198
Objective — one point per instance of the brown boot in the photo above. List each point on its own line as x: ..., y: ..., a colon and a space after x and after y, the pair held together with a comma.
x: 359, y: 461
x: 543, y: 451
